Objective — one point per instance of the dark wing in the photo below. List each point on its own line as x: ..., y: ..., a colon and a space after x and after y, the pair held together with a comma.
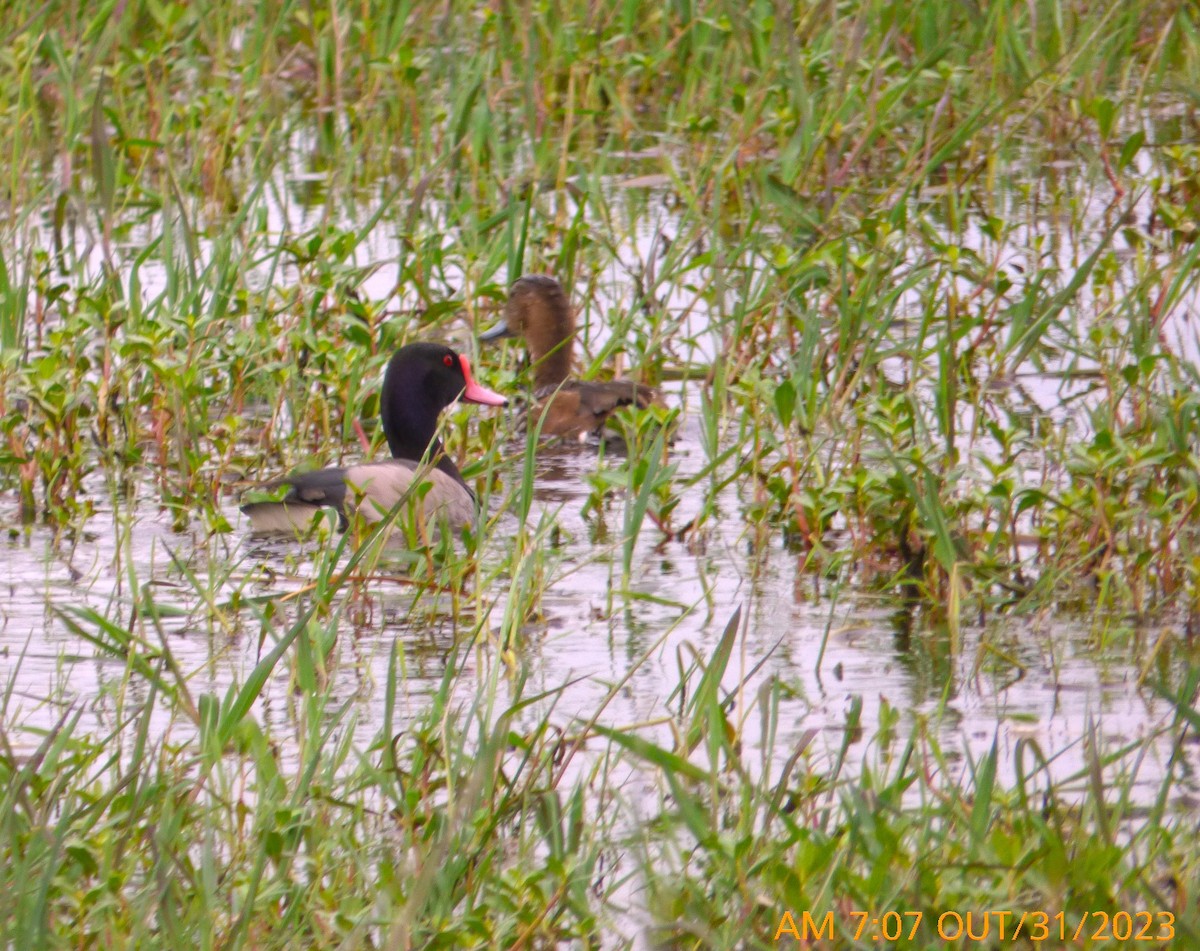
x: 581, y: 407
x: 317, y: 487
x: 307, y: 493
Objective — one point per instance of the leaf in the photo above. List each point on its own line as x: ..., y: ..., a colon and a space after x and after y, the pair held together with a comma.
x: 103, y: 165
x: 785, y: 401
x: 1130, y: 149
x: 705, y: 706
x: 670, y: 763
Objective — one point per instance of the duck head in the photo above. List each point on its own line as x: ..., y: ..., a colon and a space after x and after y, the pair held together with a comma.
x: 538, y: 310
x: 422, y: 379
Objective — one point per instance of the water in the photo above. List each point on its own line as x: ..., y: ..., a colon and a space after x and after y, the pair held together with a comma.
x: 1007, y: 681
x: 1011, y: 681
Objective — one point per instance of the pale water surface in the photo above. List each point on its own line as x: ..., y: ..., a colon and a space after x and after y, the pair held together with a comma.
x: 1008, y: 681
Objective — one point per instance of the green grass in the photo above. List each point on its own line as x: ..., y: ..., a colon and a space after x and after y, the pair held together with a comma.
x: 924, y: 271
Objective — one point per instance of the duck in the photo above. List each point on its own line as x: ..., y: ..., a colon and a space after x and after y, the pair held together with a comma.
x: 422, y: 379
x: 538, y: 310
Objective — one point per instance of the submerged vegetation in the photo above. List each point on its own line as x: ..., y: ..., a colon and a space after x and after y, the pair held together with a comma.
x: 919, y: 280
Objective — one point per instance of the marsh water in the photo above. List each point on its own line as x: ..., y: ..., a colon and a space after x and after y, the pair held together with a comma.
x: 847, y: 655
x: 1008, y: 682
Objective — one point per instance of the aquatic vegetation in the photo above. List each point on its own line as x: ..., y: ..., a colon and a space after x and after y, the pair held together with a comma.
x: 917, y: 282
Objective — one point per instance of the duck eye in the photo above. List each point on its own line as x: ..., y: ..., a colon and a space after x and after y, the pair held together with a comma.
x: 448, y: 360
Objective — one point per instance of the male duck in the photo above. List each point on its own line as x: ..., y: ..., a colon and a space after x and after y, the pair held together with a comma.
x: 538, y: 310
x: 422, y: 379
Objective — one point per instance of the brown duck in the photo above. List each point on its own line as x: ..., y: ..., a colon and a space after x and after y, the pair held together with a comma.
x: 538, y: 310
x: 422, y: 379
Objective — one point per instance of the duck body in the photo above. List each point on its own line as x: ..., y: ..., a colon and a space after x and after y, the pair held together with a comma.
x: 421, y: 380
x: 576, y: 409
x: 370, y: 489
x: 538, y: 310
